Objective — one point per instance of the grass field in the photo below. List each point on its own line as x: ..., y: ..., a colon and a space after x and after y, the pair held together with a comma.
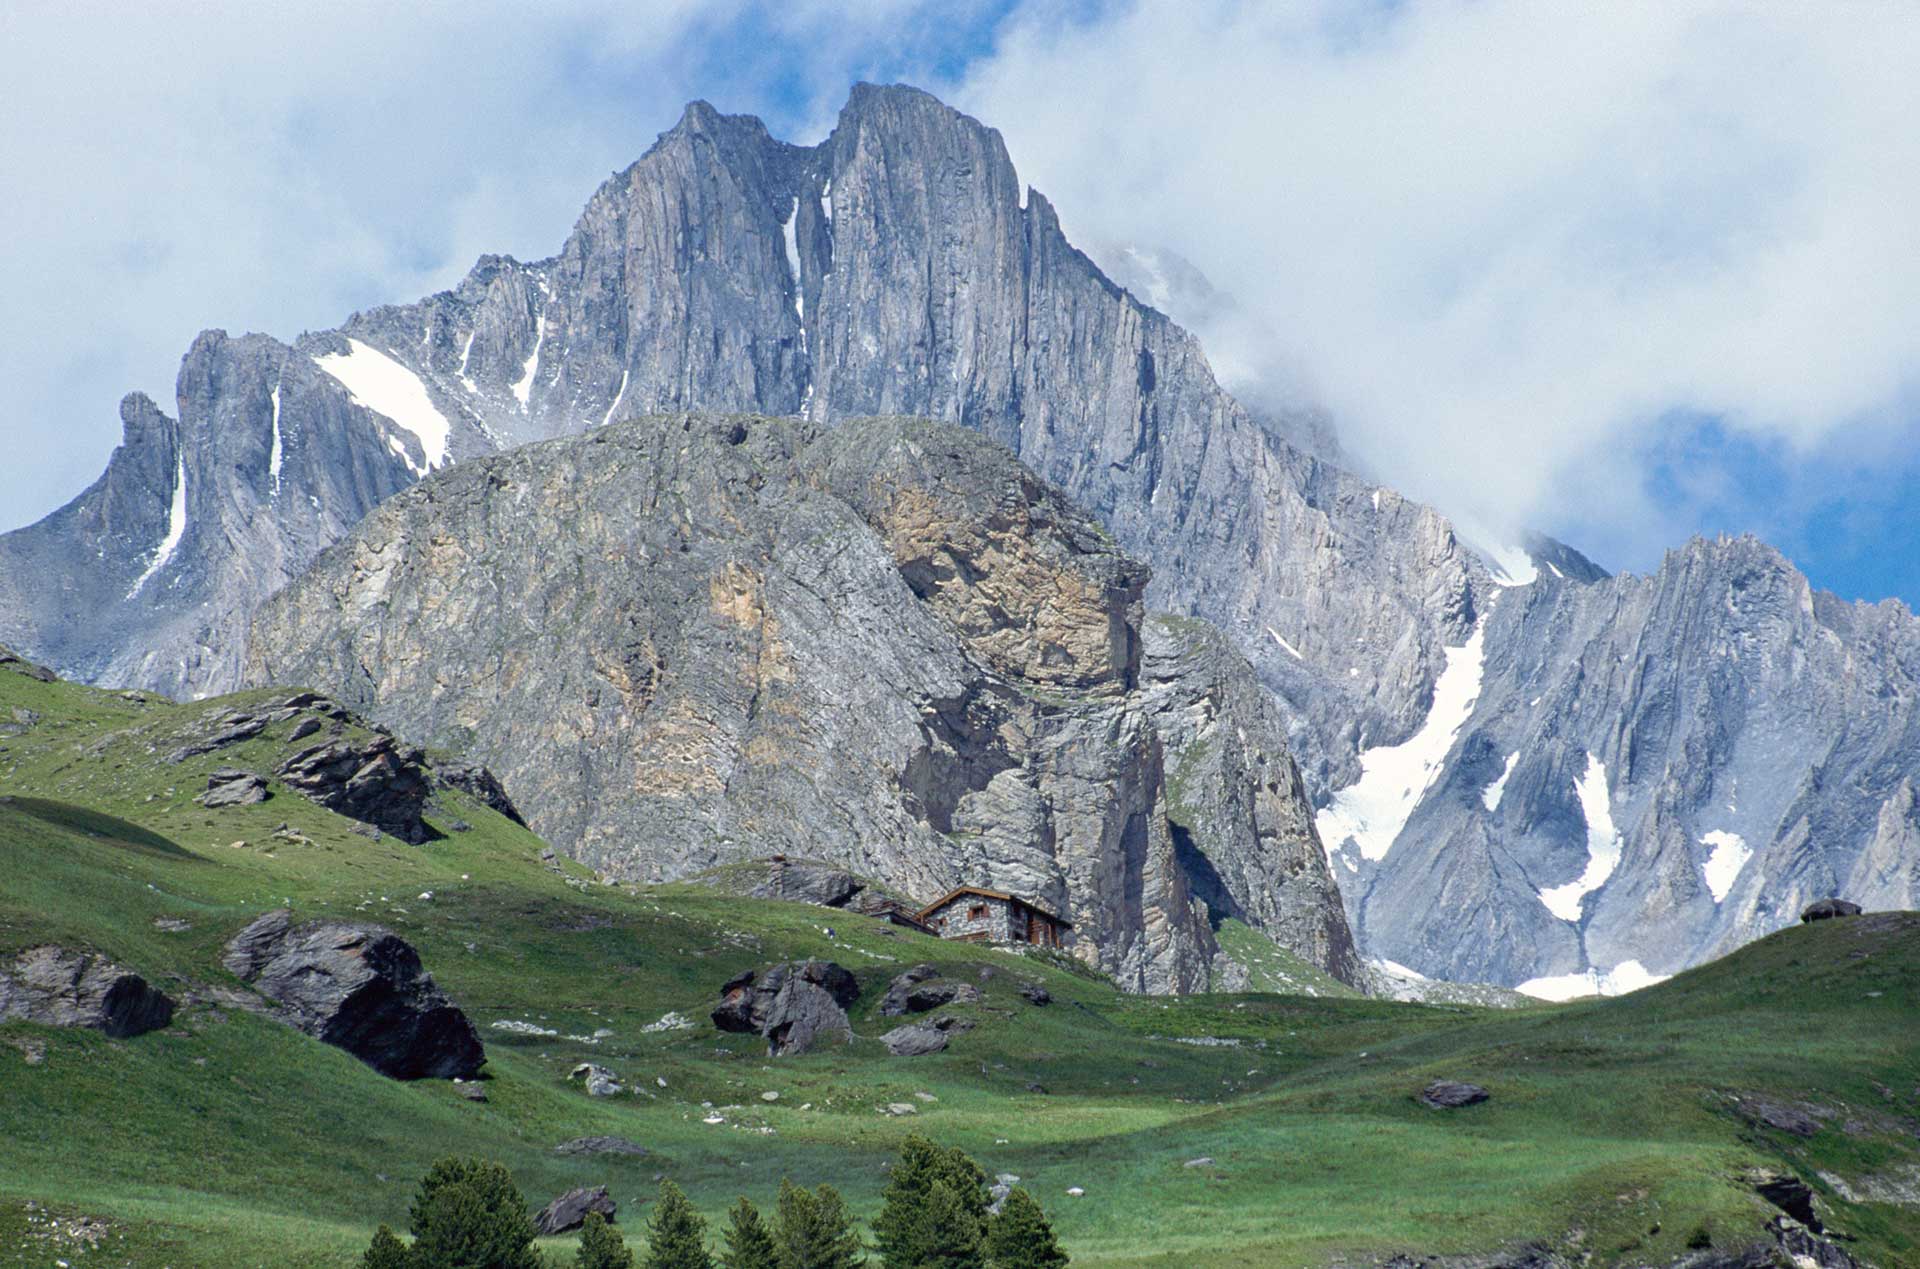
x: 226, y: 1140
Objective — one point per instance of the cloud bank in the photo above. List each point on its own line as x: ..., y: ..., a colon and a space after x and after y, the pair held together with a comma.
x: 1510, y: 244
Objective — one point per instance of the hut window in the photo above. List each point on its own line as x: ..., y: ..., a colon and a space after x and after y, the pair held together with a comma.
x: 977, y: 912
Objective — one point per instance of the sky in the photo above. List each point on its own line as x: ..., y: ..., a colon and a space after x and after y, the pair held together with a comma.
x: 1623, y: 273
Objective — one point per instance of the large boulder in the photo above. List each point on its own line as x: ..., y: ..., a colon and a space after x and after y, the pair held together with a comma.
x: 231, y: 786
x: 1827, y: 909
x: 800, y: 881
x: 793, y: 1005
x: 916, y: 1039
x: 361, y: 988
x: 569, y: 1211
x: 60, y: 988
x: 373, y: 780
x: 894, y: 1003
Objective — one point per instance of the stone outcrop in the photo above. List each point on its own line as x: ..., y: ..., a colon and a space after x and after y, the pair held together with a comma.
x: 1828, y: 909
x: 886, y: 647
x: 374, y: 780
x: 916, y: 1039
x: 795, y: 1006
x: 231, y: 786
x: 1452, y: 1094
x: 569, y: 1212
x: 61, y: 987
x: 358, y: 987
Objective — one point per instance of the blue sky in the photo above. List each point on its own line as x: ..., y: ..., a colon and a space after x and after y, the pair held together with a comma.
x: 1622, y: 273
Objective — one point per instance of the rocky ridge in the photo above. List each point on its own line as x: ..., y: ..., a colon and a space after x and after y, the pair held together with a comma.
x: 694, y: 640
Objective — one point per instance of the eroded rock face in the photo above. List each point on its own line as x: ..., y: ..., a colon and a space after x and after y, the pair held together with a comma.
x: 58, y: 987
x: 361, y: 988
x: 886, y: 647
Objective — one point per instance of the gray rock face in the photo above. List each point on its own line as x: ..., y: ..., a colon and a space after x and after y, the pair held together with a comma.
x: 58, y: 987
x: 374, y: 781
x: 360, y: 988
x: 916, y: 1039
x: 887, y: 646
x: 230, y: 786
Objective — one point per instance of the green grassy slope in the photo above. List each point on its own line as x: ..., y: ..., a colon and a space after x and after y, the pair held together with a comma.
x: 226, y: 1140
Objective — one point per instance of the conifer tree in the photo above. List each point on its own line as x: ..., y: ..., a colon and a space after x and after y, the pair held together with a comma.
x: 814, y: 1231
x: 676, y: 1235
x: 468, y: 1214
x: 749, y: 1241
x: 387, y: 1251
x: 1020, y: 1237
x: 601, y: 1246
x: 935, y: 1210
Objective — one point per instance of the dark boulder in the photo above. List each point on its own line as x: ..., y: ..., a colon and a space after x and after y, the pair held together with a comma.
x: 1763, y: 1112
x: 1451, y: 1095
x: 361, y: 988
x: 793, y: 1005
x: 478, y: 783
x: 569, y: 1211
x: 1791, y: 1195
x: 228, y: 727
x: 801, y: 882
x: 373, y: 781
x: 230, y: 786
x: 9, y: 660
x: 59, y: 988
x: 1827, y: 909
x: 895, y: 1002
x: 914, y: 1040
x: 1036, y: 994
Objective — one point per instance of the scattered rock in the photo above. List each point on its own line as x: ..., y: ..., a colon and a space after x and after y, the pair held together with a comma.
x: 361, y: 988
x: 601, y: 1145
x: 472, y: 1092
x: 20, y: 665
x: 1451, y: 1094
x: 1074, y: 1191
x: 373, y: 781
x: 304, y: 728
x: 899, y: 1108
x: 569, y: 1211
x: 1035, y: 1086
x: 59, y: 988
x: 929, y: 996
x: 914, y: 1040
x: 894, y: 1003
x: 1828, y: 909
x: 33, y: 1050
x: 769, y: 1097
x: 171, y: 925
x: 599, y: 1080
x: 1806, y: 1249
x: 230, y: 728
x: 1036, y: 994
x: 793, y: 1005
x: 1002, y: 1186
x: 1204, y: 1161
x: 954, y: 1024
x: 230, y: 786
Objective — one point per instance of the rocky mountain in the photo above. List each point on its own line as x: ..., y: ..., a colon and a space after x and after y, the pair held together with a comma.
x: 690, y: 640
x: 898, y: 267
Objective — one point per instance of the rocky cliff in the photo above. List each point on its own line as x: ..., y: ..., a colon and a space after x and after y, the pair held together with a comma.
x: 688, y: 640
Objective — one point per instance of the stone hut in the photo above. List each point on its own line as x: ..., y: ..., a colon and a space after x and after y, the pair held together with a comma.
x: 973, y: 915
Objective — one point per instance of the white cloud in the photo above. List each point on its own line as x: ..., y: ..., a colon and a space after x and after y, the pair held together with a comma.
x: 1502, y: 239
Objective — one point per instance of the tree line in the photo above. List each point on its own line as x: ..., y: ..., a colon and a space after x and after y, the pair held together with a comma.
x: 937, y: 1210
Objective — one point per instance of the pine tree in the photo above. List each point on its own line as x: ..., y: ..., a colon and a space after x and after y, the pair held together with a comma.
x: 749, y: 1242
x: 676, y: 1236
x: 1020, y: 1237
x: 814, y: 1231
x: 935, y: 1210
x: 387, y: 1251
x: 467, y: 1214
x: 601, y: 1246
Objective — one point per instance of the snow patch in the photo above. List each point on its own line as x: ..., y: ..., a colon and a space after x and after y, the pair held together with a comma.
x: 1511, y: 566
x: 1492, y: 794
x: 1393, y: 778
x: 1376, y: 500
x: 523, y: 390
x: 1730, y: 855
x: 1554, y: 569
x: 826, y: 200
x: 1603, y: 844
x: 1399, y: 971
x: 1622, y: 978
x: 466, y: 351
x: 789, y: 229
x: 618, y: 397
x: 381, y: 384
x: 274, y: 455
x: 1283, y: 643
x: 176, y: 521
